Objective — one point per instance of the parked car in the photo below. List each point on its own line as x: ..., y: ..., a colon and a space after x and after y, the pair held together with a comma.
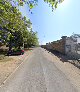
x: 32, y: 46
x: 17, y: 52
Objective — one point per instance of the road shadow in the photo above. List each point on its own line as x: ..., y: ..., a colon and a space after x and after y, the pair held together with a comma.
x: 65, y: 58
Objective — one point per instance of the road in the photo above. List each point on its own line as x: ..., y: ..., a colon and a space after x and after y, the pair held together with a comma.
x: 38, y: 74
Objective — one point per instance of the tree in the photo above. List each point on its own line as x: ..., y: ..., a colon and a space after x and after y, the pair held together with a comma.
x: 14, y: 29
x: 53, y: 3
x: 10, y: 20
x: 33, y: 3
x: 32, y: 39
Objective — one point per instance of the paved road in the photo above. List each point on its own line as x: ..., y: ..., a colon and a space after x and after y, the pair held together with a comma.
x: 38, y: 74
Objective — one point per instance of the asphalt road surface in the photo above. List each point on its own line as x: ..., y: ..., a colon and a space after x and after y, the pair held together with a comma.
x: 38, y: 74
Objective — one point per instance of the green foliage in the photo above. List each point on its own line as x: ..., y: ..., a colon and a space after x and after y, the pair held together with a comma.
x: 33, y: 3
x: 32, y: 39
x: 53, y: 3
x: 14, y: 29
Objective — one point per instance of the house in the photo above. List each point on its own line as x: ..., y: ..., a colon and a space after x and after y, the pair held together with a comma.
x: 72, y: 46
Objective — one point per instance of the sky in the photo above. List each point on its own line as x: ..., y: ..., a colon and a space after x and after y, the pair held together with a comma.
x: 51, y: 26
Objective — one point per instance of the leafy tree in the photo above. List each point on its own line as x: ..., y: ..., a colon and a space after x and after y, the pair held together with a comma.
x: 33, y: 3
x: 32, y: 39
x: 10, y: 20
x: 14, y: 29
x: 53, y: 3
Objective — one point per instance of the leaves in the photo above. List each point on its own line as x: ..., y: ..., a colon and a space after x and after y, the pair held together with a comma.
x: 14, y: 27
x: 31, y: 6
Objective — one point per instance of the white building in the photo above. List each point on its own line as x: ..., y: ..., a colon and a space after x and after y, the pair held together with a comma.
x: 72, y: 46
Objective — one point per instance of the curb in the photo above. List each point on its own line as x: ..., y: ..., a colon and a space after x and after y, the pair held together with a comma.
x: 25, y: 58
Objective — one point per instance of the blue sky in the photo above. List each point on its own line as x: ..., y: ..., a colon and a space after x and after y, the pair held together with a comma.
x: 52, y: 25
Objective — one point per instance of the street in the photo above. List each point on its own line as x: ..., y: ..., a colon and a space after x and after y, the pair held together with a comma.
x: 38, y: 74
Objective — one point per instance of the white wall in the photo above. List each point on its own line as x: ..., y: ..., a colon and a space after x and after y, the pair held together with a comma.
x: 78, y: 40
x: 70, y: 46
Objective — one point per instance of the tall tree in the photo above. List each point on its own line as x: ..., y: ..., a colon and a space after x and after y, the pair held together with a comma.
x: 33, y: 3
x: 14, y: 29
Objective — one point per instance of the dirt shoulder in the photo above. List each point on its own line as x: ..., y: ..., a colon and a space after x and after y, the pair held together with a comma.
x: 9, y: 64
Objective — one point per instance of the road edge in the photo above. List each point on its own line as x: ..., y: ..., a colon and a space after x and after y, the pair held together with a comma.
x: 25, y: 58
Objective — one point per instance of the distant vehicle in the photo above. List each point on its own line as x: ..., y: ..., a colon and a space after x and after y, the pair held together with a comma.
x: 17, y: 52
x: 33, y: 46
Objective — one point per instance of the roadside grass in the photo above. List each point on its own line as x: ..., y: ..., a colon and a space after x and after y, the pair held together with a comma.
x: 4, y: 58
x: 2, y: 55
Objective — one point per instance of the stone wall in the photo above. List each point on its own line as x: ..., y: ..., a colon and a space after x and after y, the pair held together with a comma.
x: 59, y: 46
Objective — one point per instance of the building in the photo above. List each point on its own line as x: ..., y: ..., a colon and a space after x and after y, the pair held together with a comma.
x: 67, y: 45
x: 72, y: 46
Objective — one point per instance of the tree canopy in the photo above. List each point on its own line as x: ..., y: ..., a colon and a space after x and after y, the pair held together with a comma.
x: 14, y: 28
x: 33, y: 3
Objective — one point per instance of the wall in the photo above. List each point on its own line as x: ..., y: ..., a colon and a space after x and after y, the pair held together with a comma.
x: 59, y: 45
x: 66, y: 45
x: 49, y: 46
